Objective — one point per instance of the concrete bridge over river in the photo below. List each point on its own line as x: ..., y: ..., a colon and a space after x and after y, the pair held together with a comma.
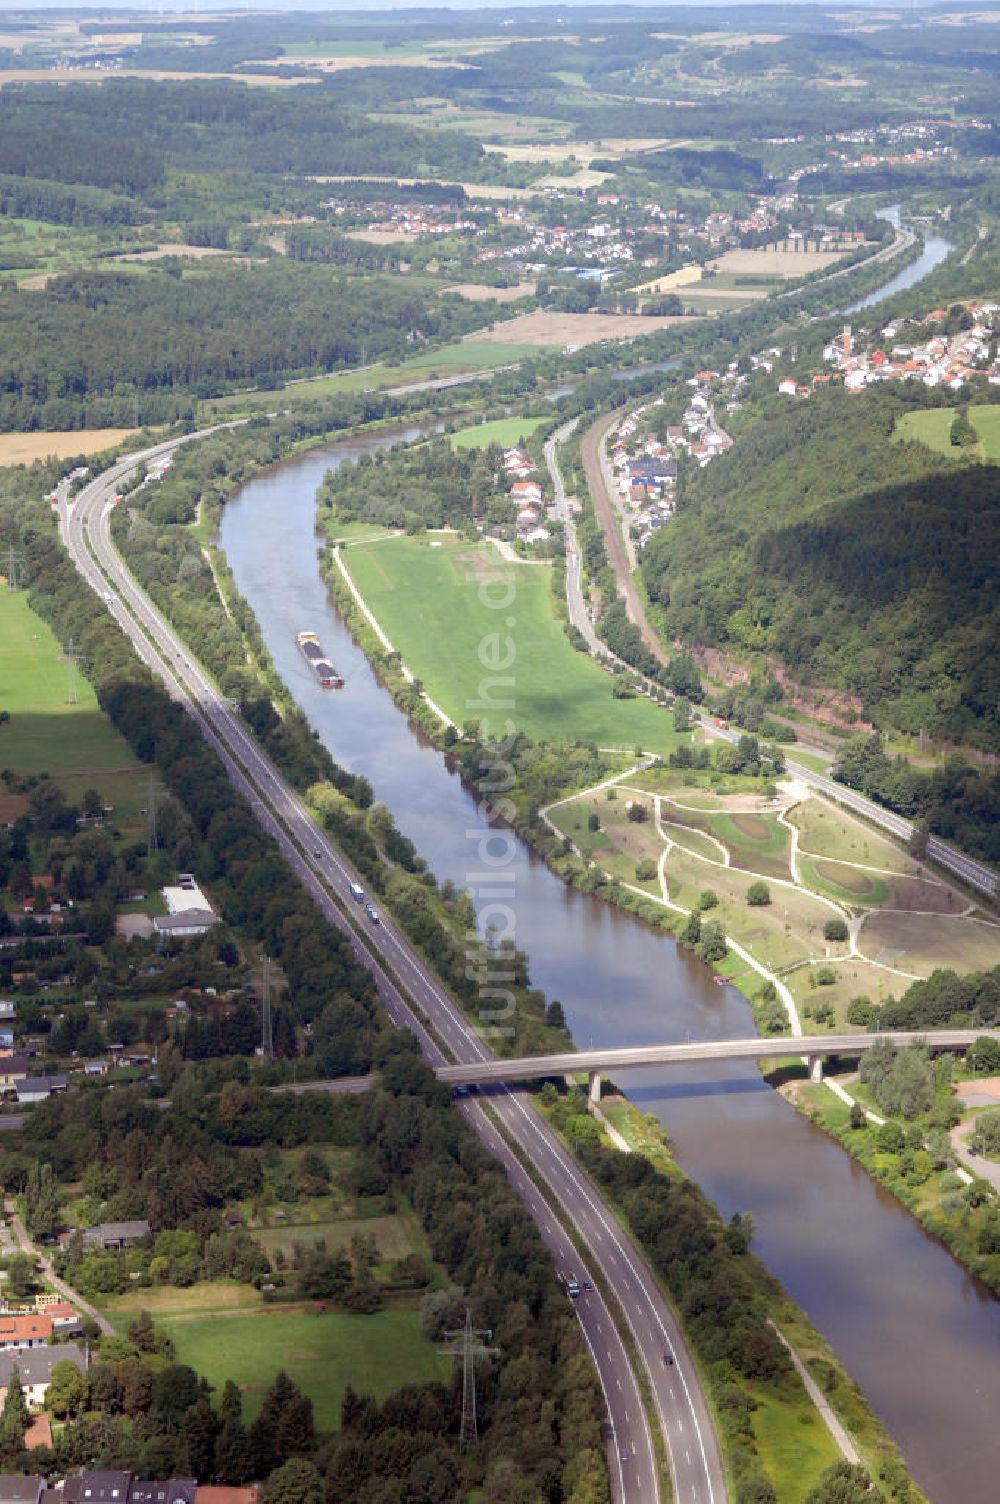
x: 811, y: 1047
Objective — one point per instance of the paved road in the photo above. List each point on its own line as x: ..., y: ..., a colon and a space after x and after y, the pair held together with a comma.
x: 444, y: 1033
x: 66, y: 1291
x: 976, y: 874
x: 576, y: 606
x: 532, y: 1067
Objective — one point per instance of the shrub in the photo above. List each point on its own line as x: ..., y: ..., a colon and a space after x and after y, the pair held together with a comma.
x: 860, y: 1012
x: 825, y: 977
x: 835, y: 929
x: 638, y: 812
x: 758, y: 895
x: 707, y: 899
x: 645, y: 870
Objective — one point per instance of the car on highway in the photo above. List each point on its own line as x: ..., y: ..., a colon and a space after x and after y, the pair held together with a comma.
x: 586, y: 1284
x: 372, y: 913
x: 317, y: 854
x: 668, y: 1360
x: 625, y: 1454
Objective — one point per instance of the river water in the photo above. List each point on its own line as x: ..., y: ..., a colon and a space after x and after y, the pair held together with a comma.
x: 917, y: 1333
x: 914, y: 1330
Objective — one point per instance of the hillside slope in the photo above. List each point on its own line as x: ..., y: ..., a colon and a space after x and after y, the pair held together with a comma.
x: 865, y: 565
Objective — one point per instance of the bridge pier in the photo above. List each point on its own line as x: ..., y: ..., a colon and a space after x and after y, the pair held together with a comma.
x: 815, y: 1067
x: 594, y: 1079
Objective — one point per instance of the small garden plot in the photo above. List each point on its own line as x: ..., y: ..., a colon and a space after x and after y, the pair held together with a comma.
x: 829, y: 832
x: 756, y: 842
x: 690, y: 840
x: 846, y: 884
x: 918, y: 946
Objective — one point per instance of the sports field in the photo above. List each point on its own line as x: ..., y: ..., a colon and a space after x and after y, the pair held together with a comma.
x: 430, y: 596
x: 45, y: 731
x: 503, y: 431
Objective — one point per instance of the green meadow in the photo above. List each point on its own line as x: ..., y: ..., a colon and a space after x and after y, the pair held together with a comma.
x: 430, y: 595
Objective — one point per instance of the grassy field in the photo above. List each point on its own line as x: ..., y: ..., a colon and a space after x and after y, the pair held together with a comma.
x: 321, y: 1352
x: 933, y: 428
x: 430, y: 602
x: 917, y: 945
x: 45, y: 732
x: 395, y: 1236
x: 503, y: 431
x: 793, y: 1447
x: 828, y: 832
x: 451, y: 360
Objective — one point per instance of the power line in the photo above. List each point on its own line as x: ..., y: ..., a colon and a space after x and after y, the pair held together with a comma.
x: 14, y: 568
x: 468, y: 1348
x: 152, y: 834
x: 72, y: 695
x: 266, y: 1033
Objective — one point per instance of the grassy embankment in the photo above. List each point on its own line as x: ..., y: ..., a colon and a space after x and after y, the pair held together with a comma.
x: 936, y: 1197
x: 71, y: 739
x: 425, y: 593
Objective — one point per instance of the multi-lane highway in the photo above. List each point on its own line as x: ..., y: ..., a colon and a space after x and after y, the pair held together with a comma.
x: 415, y: 999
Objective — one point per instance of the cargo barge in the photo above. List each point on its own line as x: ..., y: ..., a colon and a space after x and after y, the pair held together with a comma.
x: 321, y: 666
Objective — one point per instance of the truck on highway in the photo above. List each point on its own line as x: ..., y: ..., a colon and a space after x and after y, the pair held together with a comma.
x: 571, y: 1284
x: 357, y: 893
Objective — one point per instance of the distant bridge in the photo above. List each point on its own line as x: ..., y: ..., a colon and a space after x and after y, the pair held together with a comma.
x: 812, y: 1047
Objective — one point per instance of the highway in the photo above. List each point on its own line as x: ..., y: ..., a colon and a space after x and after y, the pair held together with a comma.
x: 611, y: 1258
x: 773, y: 1047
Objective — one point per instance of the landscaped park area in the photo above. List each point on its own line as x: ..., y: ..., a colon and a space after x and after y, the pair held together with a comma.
x: 775, y: 872
x: 430, y: 595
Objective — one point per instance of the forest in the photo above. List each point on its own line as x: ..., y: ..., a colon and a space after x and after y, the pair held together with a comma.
x: 95, y: 346
x: 866, y: 566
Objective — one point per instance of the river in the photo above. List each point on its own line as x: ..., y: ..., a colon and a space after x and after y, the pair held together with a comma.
x: 916, y: 1332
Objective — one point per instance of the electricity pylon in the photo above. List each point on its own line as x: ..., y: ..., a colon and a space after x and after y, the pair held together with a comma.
x: 466, y: 1345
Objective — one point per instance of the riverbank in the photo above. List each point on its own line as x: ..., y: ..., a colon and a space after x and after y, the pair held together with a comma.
x: 767, y: 1418
x: 959, y: 1209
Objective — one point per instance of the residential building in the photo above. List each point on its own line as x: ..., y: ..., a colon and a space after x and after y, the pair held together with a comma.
x: 20, y: 1332
x: 18, y: 1489
x: 38, y: 1088
x: 115, y: 1235
x: 35, y: 1367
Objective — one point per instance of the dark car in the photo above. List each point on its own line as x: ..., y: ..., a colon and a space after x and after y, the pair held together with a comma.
x: 668, y: 1359
x: 585, y: 1284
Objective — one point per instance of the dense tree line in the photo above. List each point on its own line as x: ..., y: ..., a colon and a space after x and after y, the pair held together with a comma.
x: 428, y: 484
x: 868, y: 566
x: 957, y: 800
x: 943, y: 1000
x: 123, y: 134
x: 34, y: 198
x: 94, y: 343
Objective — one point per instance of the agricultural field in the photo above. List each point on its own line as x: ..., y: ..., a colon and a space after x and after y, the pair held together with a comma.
x: 426, y: 595
x: 26, y: 448
x: 46, y: 731
x: 482, y: 353
x: 772, y: 261
x: 546, y: 329
x: 480, y: 292
x: 503, y: 431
